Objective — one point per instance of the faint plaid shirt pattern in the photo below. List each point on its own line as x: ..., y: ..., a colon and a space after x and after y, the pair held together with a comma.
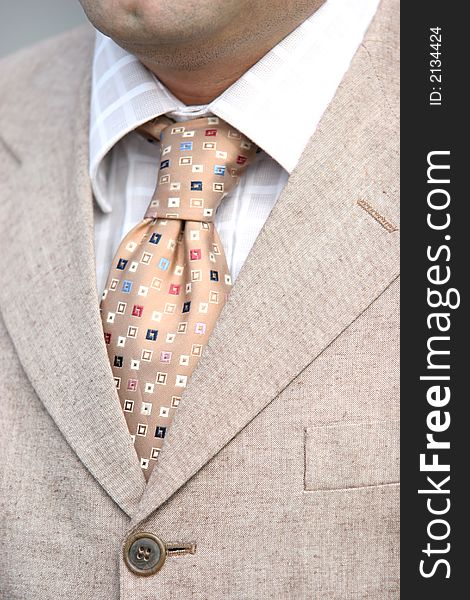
x: 298, y: 76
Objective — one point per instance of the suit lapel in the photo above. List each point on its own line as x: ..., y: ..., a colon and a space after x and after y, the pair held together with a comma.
x: 318, y: 263
x: 47, y: 243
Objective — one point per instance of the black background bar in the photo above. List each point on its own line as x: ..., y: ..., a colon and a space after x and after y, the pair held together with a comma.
x: 427, y: 128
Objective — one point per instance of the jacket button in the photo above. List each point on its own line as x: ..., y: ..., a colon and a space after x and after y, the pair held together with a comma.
x: 144, y: 553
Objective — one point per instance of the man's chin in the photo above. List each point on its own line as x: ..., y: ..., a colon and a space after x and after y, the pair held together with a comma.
x: 134, y: 23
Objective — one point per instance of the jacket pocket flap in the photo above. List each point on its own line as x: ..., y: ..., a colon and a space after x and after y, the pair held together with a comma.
x: 352, y: 456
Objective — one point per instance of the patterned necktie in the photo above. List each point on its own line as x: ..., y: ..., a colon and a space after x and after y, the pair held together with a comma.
x: 170, y: 280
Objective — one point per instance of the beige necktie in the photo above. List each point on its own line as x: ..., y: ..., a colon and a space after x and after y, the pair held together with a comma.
x: 170, y: 280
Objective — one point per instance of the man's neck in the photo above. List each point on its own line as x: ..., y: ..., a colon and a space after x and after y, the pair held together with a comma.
x: 200, y: 86
x: 202, y: 81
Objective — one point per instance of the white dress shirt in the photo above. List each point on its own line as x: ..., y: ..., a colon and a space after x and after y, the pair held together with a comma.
x: 278, y: 104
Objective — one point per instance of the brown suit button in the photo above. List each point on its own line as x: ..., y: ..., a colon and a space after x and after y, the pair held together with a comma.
x: 144, y: 553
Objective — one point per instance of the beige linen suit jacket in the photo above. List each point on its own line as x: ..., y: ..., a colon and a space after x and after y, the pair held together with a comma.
x: 282, y: 461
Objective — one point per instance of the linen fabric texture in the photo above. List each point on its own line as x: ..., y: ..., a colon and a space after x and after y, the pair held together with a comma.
x: 304, y: 343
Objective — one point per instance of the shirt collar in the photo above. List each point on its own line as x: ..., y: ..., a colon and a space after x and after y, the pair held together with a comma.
x: 277, y: 103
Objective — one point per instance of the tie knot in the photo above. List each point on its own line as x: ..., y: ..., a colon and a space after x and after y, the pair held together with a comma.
x: 200, y: 162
